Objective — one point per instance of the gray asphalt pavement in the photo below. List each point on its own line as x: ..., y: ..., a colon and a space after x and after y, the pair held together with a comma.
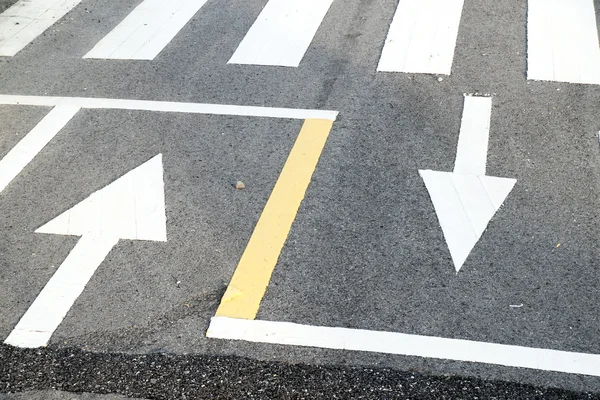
x: 59, y: 395
x: 366, y: 250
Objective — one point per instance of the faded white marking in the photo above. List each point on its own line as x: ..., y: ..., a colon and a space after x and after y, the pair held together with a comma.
x: 27, y: 19
x: 287, y: 333
x: 132, y: 207
x: 168, y: 106
x: 25, y: 151
x: 282, y: 33
x: 466, y: 200
x: 562, y: 41
x: 422, y: 37
x: 147, y: 30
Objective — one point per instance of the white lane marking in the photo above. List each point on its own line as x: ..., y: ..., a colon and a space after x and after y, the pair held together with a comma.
x: 282, y: 33
x: 168, y: 106
x: 147, y: 30
x: 25, y: 151
x: 27, y: 19
x: 562, y: 41
x: 132, y: 207
x: 422, y: 37
x: 471, y: 154
x: 287, y: 333
x: 466, y: 200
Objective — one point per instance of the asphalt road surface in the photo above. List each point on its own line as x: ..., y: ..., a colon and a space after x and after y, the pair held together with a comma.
x: 301, y: 218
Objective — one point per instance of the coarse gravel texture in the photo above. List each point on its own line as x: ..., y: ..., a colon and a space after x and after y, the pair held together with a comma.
x: 162, y: 376
x: 60, y: 395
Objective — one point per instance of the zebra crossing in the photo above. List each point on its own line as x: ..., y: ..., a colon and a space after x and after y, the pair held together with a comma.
x: 562, y: 35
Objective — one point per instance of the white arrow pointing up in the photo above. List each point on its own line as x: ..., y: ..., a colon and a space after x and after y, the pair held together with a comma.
x: 466, y: 200
x: 132, y: 207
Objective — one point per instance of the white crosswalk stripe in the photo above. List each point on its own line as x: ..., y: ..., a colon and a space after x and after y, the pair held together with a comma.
x: 147, y: 30
x: 27, y: 19
x: 282, y: 33
x: 422, y: 37
x: 562, y: 41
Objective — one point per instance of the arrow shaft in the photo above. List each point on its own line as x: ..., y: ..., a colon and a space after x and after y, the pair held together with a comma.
x: 471, y: 153
x: 60, y: 293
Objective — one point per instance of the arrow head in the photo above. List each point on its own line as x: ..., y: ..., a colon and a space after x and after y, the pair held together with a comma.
x: 132, y: 207
x: 464, y: 205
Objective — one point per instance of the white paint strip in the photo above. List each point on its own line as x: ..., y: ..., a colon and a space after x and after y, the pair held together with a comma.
x: 562, y: 41
x: 27, y: 19
x: 147, y: 30
x: 403, y: 344
x: 22, y: 154
x: 282, y: 33
x: 471, y: 153
x: 167, y: 106
x: 58, y: 296
x: 422, y: 37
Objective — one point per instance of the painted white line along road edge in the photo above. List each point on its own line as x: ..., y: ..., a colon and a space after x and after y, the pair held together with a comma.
x: 282, y: 33
x: 22, y: 154
x: 422, y: 37
x: 466, y: 200
x: 288, y: 333
x: 562, y: 41
x: 168, y: 106
x: 147, y: 30
x: 27, y: 19
x: 132, y: 207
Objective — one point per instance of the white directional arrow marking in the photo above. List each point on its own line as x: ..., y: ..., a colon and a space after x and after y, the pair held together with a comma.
x: 466, y: 200
x: 132, y: 207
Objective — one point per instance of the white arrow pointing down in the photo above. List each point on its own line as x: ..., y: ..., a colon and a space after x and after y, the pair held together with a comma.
x: 132, y: 207
x: 466, y: 200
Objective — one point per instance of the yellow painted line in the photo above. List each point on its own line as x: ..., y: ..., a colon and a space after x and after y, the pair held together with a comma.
x: 253, y: 273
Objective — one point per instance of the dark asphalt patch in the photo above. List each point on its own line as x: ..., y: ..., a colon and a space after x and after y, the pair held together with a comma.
x: 162, y: 376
